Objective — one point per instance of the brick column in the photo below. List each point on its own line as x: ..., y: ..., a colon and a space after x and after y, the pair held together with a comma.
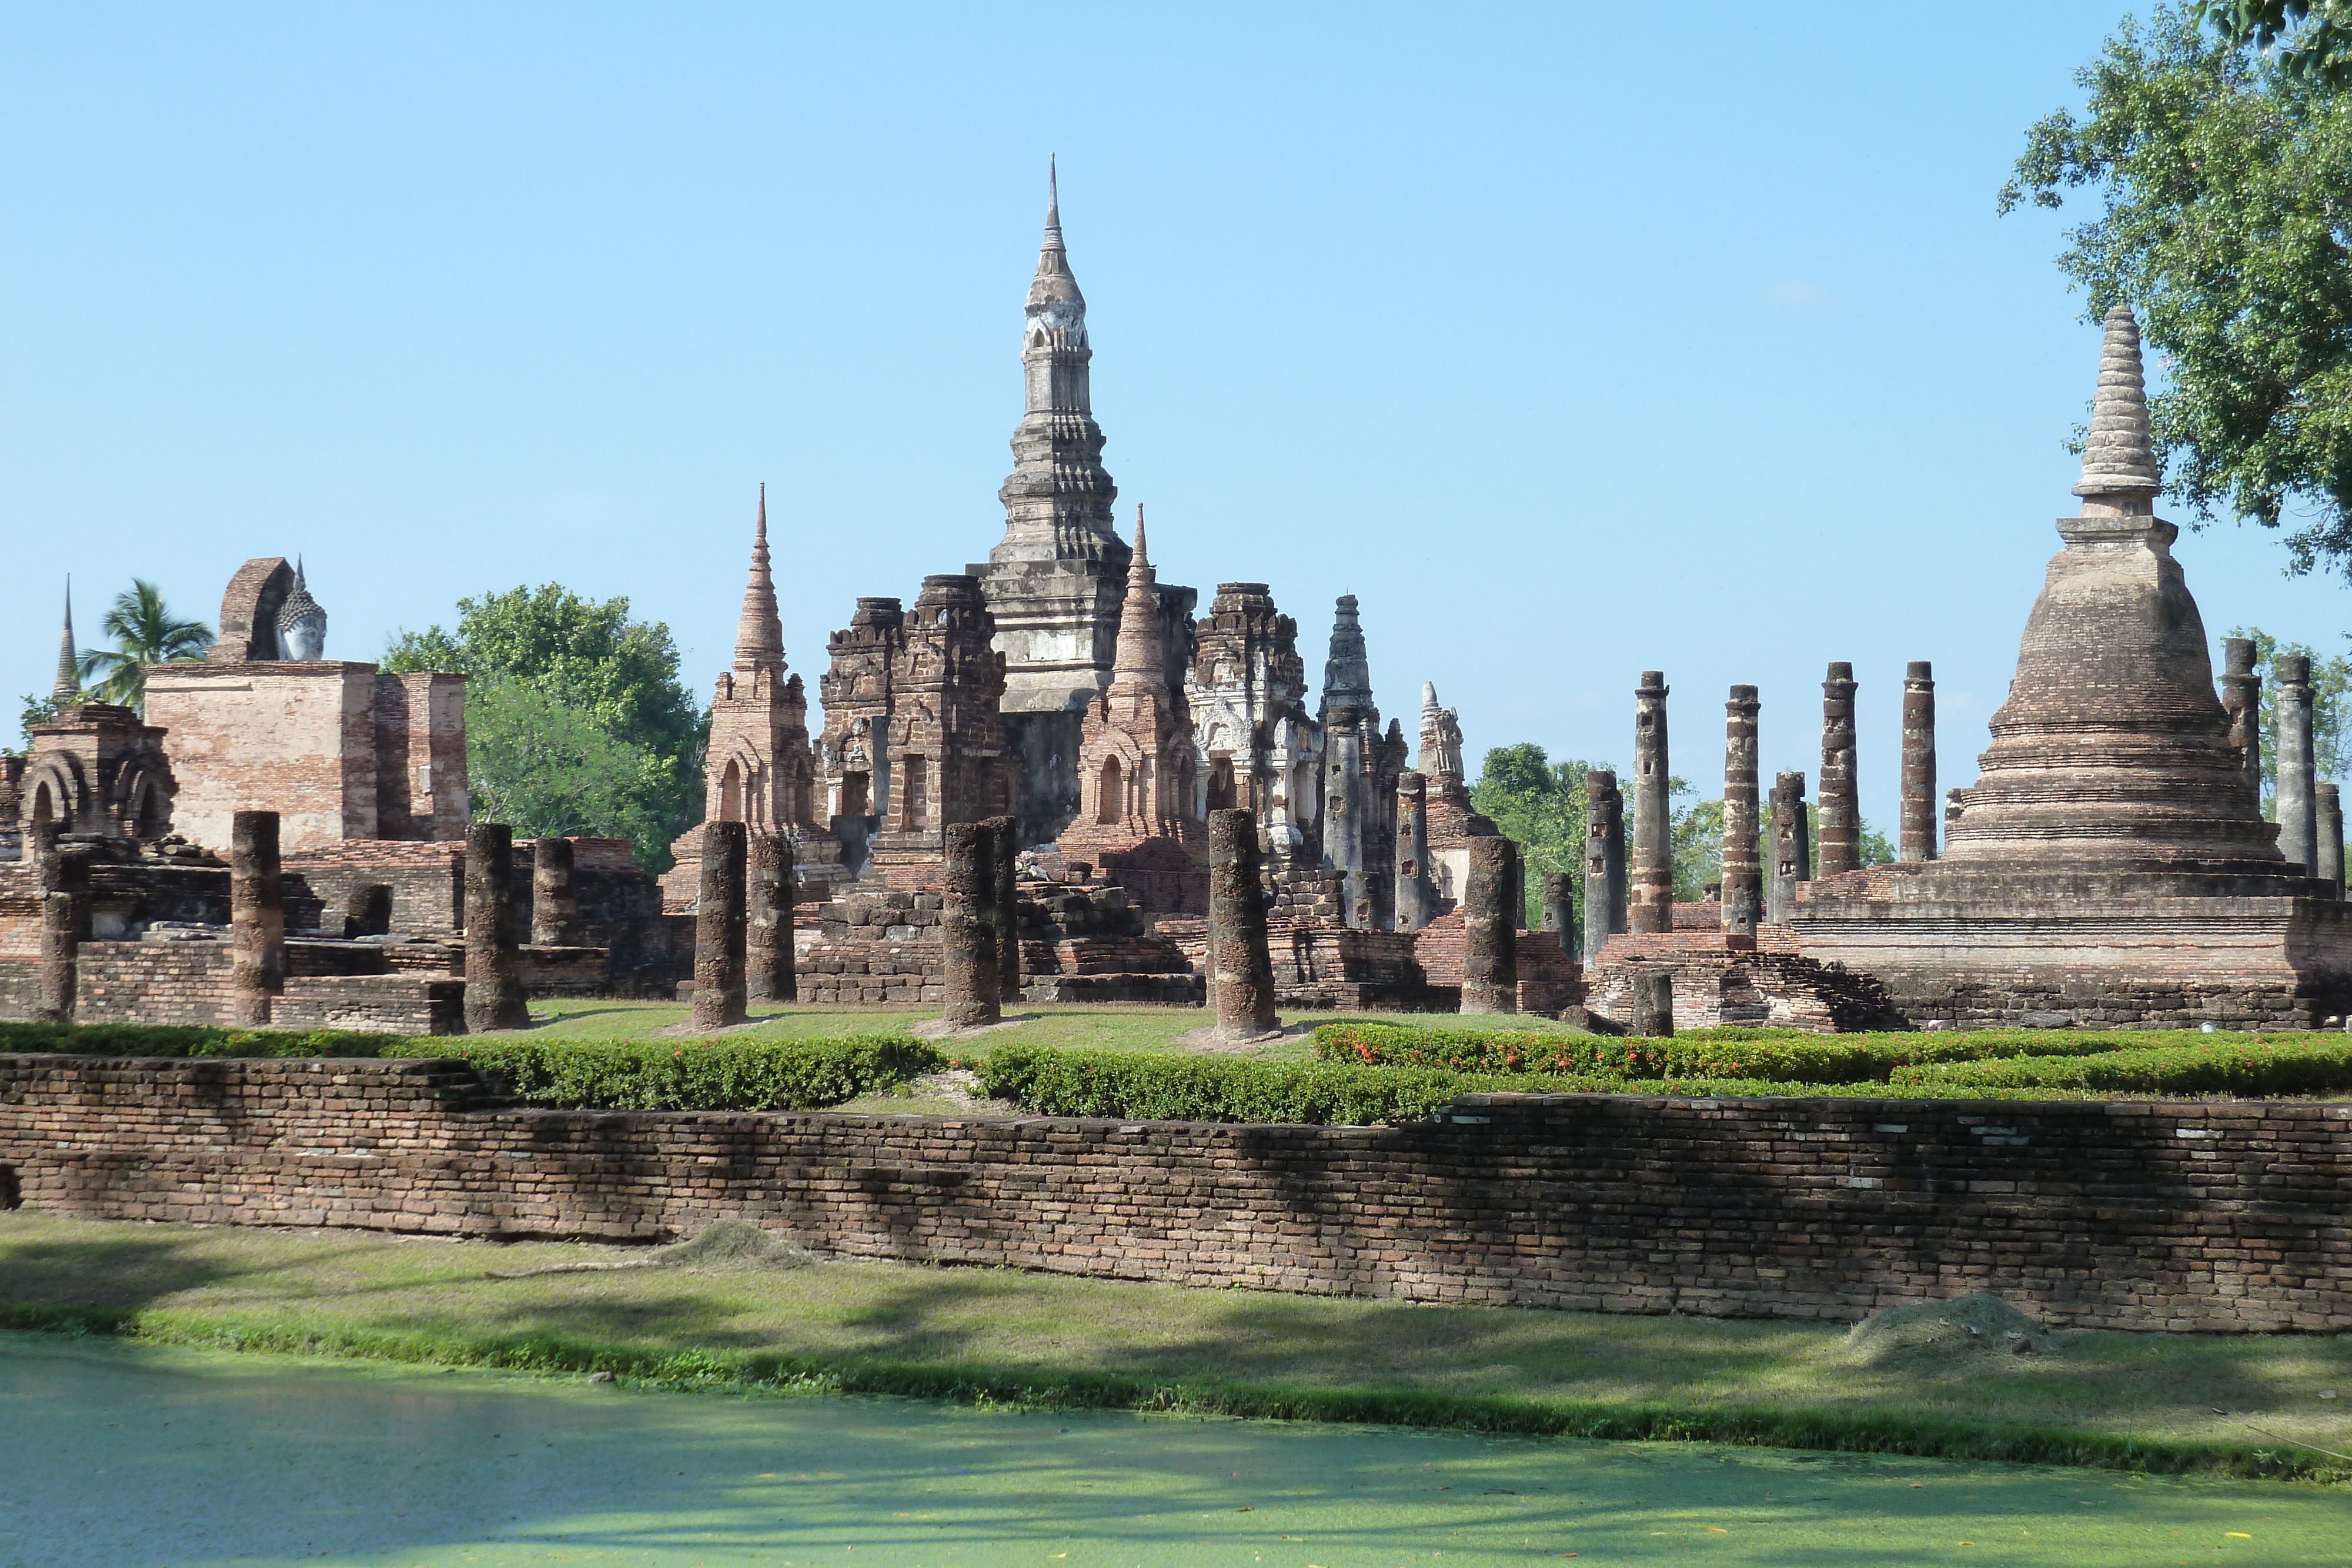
x: 769, y: 973
x: 1743, y: 862
x: 1004, y: 847
x: 554, y: 904
x: 1652, y: 898
x: 1490, y: 959
x: 1841, y: 807
x: 65, y: 921
x: 2331, y: 834
x: 1791, y: 852
x: 967, y: 926
x: 1560, y: 909
x: 1604, y: 862
x: 2298, y: 821
x: 257, y: 919
x: 1413, y: 885
x: 1654, y: 1003
x: 719, y: 937
x: 2242, y: 699
x: 1343, y: 812
x: 1916, y: 835
x: 493, y: 981
x: 1241, y: 967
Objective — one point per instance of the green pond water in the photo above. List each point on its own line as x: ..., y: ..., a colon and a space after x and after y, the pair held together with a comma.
x: 120, y: 1454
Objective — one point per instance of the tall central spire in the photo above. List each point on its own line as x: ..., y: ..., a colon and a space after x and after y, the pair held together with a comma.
x: 1057, y: 502
x: 68, y: 678
x: 760, y: 634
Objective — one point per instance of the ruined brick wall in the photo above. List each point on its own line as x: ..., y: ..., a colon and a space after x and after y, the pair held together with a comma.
x: 1080, y: 943
x: 188, y: 983
x: 294, y: 739
x: 2185, y: 1217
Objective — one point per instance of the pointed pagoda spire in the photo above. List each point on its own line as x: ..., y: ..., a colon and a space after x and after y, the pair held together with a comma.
x: 68, y: 681
x: 1142, y: 651
x: 1057, y: 499
x: 760, y: 634
x: 2119, y: 455
x: 1055, y: 283
x: 1348, y: 672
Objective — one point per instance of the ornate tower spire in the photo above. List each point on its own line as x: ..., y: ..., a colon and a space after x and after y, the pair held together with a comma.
x: 1057, y: 501
x: 2119, y: 456
x: 68, y: 680
x: 1142, y: 651
x: 1347, y: 672
x: 760, y: 634
x: 301, y: 621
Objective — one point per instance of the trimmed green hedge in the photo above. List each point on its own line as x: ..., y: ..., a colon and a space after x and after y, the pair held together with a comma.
x: 2233, y: 1067
x: 1133, y: 1086
x: 730, y: 1074
x: 195, y: 1039
x: 1774, y: 1055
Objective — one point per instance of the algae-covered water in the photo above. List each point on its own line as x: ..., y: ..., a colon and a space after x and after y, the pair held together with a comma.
x: 121, y: 1454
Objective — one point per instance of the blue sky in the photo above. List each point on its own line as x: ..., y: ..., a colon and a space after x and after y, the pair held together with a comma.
x: 1572, y: 344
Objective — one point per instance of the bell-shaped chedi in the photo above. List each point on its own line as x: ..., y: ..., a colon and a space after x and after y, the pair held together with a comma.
x: 2113, y: 750
x: 2109, y: 867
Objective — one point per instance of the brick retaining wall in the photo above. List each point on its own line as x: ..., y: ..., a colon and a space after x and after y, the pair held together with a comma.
x: 2210, y: 1217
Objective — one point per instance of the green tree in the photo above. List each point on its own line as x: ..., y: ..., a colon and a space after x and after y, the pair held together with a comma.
x: 2310, y: 39
x: 2331, y: 710
x: 1695, y: 831
x: 145, y: 632
x: 575, y: 719
x: 41, y: 710
x: 1539, y: 804
x: 2225, y: 178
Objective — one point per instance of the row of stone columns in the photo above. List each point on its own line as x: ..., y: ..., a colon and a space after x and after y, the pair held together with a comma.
x: 1754, y: 888
x: 2309, y: 811
x: 742, y: 924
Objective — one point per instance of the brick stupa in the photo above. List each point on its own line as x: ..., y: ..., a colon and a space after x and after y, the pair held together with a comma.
x: 2110, y: 866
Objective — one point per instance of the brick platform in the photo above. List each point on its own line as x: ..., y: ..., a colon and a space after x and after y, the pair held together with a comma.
x: 2130, y: 1216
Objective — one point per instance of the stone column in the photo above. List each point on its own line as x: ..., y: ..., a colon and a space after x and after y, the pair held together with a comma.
x: 257, y: 919
x: 1560, y: 909
x: 1490, y: 959
x: 1412, y: 884
x: 2331, y: 834
x: 1743, y: 864
x: 1652, y: 898
x: 1343, y: 809
x: 1955, y: 802
x: 2298, y: 821
x: 493, y: 979
x: 2242, y: 699
x: 1654, y: 1003
x: 1604, y: 862
x: 1241, y: 966
x: 967, y: 926
x: 1789, y: 847
x: 1841, y: 807
x: 65, y: 922
x: 1915, y: 836
x: 721, y: 940
x: 1005, y: 845
x: 367, y: 910
x: 769, y: 974
x: 554, y: 905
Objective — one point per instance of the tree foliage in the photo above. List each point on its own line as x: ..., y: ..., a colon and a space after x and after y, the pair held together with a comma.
x: 146, y: 632
x: 575, y: 719
x: 1540, y: 804
x: 2224, y: 177
x: 2311, y: 40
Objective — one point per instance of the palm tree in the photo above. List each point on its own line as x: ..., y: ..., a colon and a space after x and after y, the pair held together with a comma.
x: 144, y: 633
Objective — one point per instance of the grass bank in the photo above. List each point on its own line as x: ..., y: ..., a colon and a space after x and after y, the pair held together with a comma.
x: 2109, y: 1400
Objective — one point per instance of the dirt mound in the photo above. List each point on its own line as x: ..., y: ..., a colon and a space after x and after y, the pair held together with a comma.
x: 732, y: 1245
x: 1965, y: 1328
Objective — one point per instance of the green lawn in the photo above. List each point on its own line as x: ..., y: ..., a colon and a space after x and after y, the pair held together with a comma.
x: 1093, y: 1027
x: 907, y: 1328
